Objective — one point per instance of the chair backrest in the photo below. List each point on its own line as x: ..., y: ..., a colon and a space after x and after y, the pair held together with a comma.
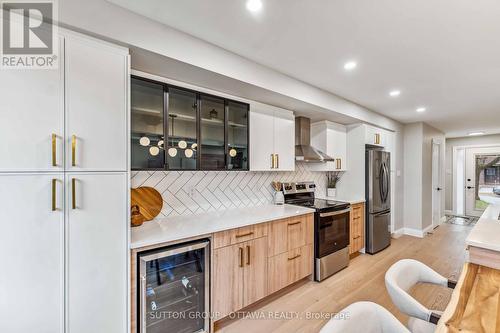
x: 404, y: 274
x: 366, y: 317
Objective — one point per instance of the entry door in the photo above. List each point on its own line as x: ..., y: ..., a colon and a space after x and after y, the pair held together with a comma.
x: 96, y: 241
x: 482, y: 175
x: 436, y: 184
x: 32, y: 247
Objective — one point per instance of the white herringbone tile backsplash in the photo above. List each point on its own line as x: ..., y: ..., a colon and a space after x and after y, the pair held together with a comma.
x: 194, y: 192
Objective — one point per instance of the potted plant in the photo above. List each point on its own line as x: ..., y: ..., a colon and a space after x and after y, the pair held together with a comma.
x: 332, y: 178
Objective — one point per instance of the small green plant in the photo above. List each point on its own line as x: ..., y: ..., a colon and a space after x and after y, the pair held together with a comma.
x: 332, y: 178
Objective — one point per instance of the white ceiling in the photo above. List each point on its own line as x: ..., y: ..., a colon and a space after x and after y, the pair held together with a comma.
x: 441, y: 54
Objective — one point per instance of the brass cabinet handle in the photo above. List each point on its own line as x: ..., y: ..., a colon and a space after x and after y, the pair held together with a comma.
x: 339, y: 163
x: 377, y: 138
x: 241, y: 256
x: 248, y: 254
x: 245, y: 235
x: 277, y: 161
x: 54, y: 149
x: 356, y: 218
x: 272, y: 161
x: 357, y: 237
x: 294, y: 223
x: 73, y: 193
x: 295, y: 257
x: 54, y: 195
x: 73, y: 150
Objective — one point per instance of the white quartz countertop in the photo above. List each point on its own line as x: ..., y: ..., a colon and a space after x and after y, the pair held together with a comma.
x: 486, y: 232
x: 177, y: 228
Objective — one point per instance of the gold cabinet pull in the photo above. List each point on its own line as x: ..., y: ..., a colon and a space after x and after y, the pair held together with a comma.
x: 73, y: 150
x: 377, y: 138
x: 357, y: 237
x: 241, y: 256
x: 339, y: 164
x: 294, y: 223
x: 277, y: 161
x: 294, y: 257
x: 73, y: 193
x: 272, y: 161
x: 54, y: 149
x: 245, y: 235
x: 248, y: 254
x: 54, y: 194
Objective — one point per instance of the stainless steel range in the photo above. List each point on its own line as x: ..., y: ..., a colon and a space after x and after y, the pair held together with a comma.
x: 331, y: 228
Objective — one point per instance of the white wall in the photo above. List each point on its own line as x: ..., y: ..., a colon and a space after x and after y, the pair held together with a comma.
x: 469, y: 141
x: 418, y: 188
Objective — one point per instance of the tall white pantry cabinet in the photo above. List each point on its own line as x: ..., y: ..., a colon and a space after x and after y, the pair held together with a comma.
x: 64, y: 192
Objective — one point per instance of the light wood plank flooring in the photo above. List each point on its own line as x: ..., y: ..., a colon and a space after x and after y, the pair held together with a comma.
x: 444, y: 251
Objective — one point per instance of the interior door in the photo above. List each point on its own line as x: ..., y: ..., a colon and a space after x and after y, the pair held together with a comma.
x: 482, y: 170
x: 31, y: 111
x: 436, y: 184
x: 96, y: 106
x: 255, y: 271
x: 96, y: 242
x: 32, y: 247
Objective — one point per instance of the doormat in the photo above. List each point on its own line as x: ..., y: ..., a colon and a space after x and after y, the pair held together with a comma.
x: 461, y: 220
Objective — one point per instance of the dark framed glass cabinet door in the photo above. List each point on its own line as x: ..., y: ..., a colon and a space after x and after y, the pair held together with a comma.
x: 147, y: 125
x: 182, y: 139
x: 212, y: 133
x: 237, y: 136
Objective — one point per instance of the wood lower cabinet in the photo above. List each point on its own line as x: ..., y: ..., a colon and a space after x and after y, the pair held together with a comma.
x: 357, y: 228
x: 252, y: 262
x: 289, y: 267
x: 239, y: 275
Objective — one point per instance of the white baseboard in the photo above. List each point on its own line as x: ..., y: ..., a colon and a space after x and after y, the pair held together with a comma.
x: 398, y: 233
x: 413, y: 232
x: 449, y: 212
x: 427, y: 229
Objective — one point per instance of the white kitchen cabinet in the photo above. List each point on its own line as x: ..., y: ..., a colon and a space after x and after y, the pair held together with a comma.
x: 32, y: 247
x: 375, y: 136
x: 330, y: 138
x: 31, y: 112
x: 96, y: 86
x: 96, y: 261
x: 272, y: 139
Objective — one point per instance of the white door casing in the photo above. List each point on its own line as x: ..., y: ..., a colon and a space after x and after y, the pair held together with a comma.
x: 32, y: 247
x: 436, y: 183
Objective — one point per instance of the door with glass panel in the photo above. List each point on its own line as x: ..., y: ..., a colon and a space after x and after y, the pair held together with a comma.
x: 147, y: 138
x: 237, y: 136
x: 482, y: 183
x: 212, y: 132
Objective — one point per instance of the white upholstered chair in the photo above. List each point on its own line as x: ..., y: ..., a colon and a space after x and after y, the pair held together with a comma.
x: 366, y: 317
x: 400, y: 277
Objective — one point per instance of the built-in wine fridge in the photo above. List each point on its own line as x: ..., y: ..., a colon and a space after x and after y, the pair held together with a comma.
x: 174, y: 289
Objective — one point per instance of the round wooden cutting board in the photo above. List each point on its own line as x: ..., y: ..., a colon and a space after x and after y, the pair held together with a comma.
x: 149, y: 201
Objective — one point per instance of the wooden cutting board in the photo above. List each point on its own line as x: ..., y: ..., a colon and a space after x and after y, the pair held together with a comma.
x: 149, y: 201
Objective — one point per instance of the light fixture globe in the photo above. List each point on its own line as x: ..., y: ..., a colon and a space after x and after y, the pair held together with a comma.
x: 172, y: 152
x: 144, y: 141
x: 232, y: 152
x: 160, y: 143
x: 194, y: 146
x: 154, y: 150
x: 189, y: 153
x: 182, y: 144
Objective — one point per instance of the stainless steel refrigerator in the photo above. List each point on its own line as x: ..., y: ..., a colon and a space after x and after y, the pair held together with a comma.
x: 378, y: 200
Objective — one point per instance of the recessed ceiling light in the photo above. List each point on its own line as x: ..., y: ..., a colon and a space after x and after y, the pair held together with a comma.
x: 350, y: 65
x: 394, y: 93
x: 254, y: 5
x: 475, y: 133
x: 421, y: 109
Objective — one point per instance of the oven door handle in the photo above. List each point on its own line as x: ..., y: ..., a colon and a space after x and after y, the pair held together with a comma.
x: 335, y: 213
x: 323, y: 226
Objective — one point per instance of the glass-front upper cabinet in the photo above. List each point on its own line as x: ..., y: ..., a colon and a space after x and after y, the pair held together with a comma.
x: 179, y: 129
x: 212, y: 132
x: 146, y: 125
x: 182, y: 139
x: 237, y: 136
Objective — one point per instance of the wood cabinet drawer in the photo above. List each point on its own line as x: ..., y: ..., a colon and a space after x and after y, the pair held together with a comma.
x: 289, y: 267
x: 290, y: 233
x: 239, y: 235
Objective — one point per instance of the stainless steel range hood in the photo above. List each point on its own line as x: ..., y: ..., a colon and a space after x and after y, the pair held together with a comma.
x: 303, y: 149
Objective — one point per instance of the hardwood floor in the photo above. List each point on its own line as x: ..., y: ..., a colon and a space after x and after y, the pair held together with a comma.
x: 306, y: 304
